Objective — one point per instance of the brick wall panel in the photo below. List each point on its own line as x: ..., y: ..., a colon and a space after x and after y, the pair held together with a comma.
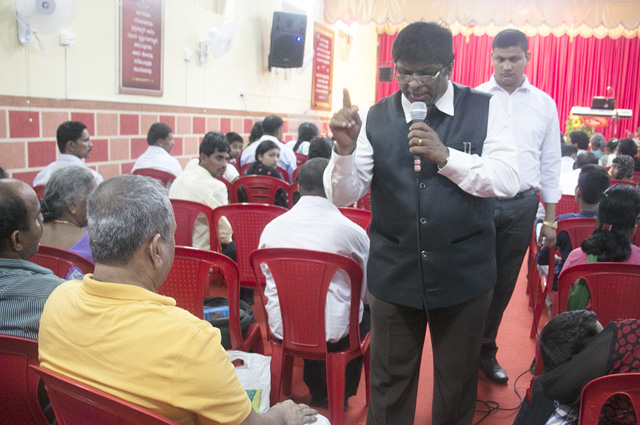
x: 146, y: 121
x: 119, y: 149
x: 99, y: 151
x: 41, y: 153
x: 20, y: 126
x: 109, y: 170
x: 129, y: 124
x: 225, y: 125
x: 107, y: 125
x: 237, y: 125
x: 3, y: 124
x: 13, y: 155
x: 199, y: 125
x: 169, y: 120
x: 26, y: 176
x: 87, y: 119
x: 247, y: 125
x: 184, y: 161
x: 285, y: 126
x: 183, y: 125
x: 125, y: 167
x: 191, y: 146
x: 177, y: 149
x: 213, y: 124
x: 51, y: 121
x: 138, y: 146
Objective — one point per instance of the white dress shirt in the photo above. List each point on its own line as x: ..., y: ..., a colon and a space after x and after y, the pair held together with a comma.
x: 314, y: 223
x: 347, y: 177
x: 64, y: 160
x: 287, y: 157
x: 230, y: 174
x: 198, y: 185
x: 303, y: 148
x: 159, y: 159
x: 533, y: 117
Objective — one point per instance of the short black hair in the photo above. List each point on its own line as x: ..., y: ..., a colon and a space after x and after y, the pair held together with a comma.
x: 565, y: 336
x: 264, y: 147
x: 232, y: 136
x: 585, y: 158
x: 310, y: 177
x: 256, y: 132
x: 424, y: 42
x: 593, y: 181
x: 157, y: 131
x: 612, y: 144
x: 580, y: 139
x: 213, y: 141
x: 69, y: 130
x: 510, y: 38
x: 568, y: 149
x: 271, y: 124
x: 320, y: 147
x: 627, y: 146
x: 13, y: 211
x: 2, y: 173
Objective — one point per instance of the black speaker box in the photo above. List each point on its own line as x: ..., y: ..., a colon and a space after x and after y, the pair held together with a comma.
x: 287, y: 40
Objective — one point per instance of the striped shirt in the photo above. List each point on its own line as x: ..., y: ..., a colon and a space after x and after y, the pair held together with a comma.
x: 24, y: 288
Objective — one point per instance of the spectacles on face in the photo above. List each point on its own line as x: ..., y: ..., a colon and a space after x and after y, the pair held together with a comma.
x: 426, y: 80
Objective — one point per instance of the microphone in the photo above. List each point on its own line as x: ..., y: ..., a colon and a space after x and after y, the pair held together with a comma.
x: 418, y: 114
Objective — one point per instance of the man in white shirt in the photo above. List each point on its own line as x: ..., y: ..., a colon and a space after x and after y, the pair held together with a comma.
x: 315, y: 223
x: 201, y: 184
x: 533, y: 118
x: 272, y: 126
x: 74, y: 144
x: 157, y: 155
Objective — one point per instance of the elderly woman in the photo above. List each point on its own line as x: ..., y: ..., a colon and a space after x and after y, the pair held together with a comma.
x: 622, y: 168
x: 65, y: 210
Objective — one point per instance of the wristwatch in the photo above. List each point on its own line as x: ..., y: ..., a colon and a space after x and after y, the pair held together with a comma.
x: 552, y: 224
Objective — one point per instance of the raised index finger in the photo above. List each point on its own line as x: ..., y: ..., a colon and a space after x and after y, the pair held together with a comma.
x: 346, y: 99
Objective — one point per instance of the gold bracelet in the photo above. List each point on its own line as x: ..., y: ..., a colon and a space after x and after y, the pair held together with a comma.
x: 552, y: 224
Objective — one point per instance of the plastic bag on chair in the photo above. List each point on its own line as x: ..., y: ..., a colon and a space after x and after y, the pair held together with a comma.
x: 254, y: 373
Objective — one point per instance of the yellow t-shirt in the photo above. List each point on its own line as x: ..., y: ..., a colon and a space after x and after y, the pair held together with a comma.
x: 137, y: 345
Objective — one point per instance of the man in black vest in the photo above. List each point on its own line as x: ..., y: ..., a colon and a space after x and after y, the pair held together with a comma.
x: 432, y: 256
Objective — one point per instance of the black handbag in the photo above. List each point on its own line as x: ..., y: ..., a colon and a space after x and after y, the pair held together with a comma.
x: 222, y: 323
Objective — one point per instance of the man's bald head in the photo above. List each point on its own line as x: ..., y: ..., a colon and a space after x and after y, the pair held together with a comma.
x: 310, y: 178
x: 20, y: 220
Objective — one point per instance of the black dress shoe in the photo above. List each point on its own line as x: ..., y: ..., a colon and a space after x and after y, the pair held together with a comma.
x: 493, y: 371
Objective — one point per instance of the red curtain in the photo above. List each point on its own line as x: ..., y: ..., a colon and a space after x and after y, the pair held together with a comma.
x: 571, y: 71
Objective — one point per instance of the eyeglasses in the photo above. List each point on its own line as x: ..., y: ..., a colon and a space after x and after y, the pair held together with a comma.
x: 422, y: 79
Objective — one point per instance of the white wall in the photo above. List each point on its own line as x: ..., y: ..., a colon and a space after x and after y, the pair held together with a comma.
x: 91, y: 64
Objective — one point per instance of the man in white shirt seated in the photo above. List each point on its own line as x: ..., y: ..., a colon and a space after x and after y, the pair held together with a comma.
x: 74, y: 144
x: 315, y: 223
x: 272, y: 126
x: 157, y: 155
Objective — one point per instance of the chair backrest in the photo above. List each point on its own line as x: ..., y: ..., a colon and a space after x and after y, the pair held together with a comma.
x: 163, y: 177
x: 39, y: 190
x: 186, y: 213
x: 630, y: 183
x: 359, y: 216
x: 231, y: 194
x: 260, y: 189
x: 284, y: 173
x: 598, y: 391
x: 294, y: 192
x: 578, y: 230
x: 302, y: 279
x: 614, y: 289
x: 19, y: 388
x: 636, y: 176
x: 364, y: 202
x: 567, y: 204
x: 247, y: 221
x: 75, y: 403
x: 59, y: 260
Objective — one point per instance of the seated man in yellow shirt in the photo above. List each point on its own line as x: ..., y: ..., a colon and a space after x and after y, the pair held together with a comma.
x: 113, y: 332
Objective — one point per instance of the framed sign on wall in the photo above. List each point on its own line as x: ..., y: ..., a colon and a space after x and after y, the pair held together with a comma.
x: 322, y: 68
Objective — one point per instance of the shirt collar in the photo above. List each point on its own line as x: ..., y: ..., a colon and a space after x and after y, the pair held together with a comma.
x: 122, y: 291
x: 157, y: 149
x: 444, y: 104
x: 493, y: 85
x: 69, y: 158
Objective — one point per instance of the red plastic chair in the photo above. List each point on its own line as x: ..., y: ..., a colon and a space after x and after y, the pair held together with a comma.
x: 59, y: 260
x: 39, y: 191
x: 186, y: 213
x: 294, y: 193
x: 232, y: 196
x: 636, y: 176
x: 622, y: 182
x: 614, y: 287
x: 188, y: 282
x: 566, y: 205
x: 162, y: 176
x: 359, y: 216
x: 285, y: 174
x: 300, y: 159
x: 75, y: 403
x: 261, y: 189
x: 19, y: 389
x: 578, y: 230
x: 302, y: 279
x: 598, y: 391
x: 247, y: 221
x: 364, y: 202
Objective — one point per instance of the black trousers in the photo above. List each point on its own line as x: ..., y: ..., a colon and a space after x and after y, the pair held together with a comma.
x: 315, y: 371
x: 514, y: 222
x: 397, y: 339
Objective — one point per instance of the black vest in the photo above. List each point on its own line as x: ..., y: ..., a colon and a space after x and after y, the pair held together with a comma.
x: 432, y: 244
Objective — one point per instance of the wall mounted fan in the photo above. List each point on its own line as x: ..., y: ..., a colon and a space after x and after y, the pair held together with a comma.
x: 220, y: 41
x: 42, y: 17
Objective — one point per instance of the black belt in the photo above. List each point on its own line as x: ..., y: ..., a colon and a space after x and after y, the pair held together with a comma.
x: 528, y: 192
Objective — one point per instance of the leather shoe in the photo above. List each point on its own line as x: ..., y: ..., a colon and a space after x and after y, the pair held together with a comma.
x: 493, y: 371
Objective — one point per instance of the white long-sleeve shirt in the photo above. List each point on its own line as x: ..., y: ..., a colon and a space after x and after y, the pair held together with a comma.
x: 347, y: 177
x: 158, y: 158
x: 64, y: 160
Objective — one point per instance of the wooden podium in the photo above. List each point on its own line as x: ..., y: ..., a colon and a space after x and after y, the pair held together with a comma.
x: 616, y: 114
